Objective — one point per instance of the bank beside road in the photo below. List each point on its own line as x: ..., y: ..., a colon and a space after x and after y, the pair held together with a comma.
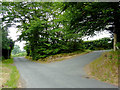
x: 59, y: 57
x: 105, y: 68
x: 9, y: 74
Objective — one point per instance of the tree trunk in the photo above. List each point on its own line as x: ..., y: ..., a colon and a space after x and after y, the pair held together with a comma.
x: 116, y: 24
x: 115, y: 41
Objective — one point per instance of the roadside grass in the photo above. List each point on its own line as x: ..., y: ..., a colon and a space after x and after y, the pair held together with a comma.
x: 0, y: 74
x: 59, y: 57
x: 10, y: 74
x: 105, y: 68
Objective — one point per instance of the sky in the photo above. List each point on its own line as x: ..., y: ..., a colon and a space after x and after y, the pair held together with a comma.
x: 14, y: 34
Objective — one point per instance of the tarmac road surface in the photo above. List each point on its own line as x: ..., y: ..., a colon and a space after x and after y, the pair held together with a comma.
x: 63, y: 74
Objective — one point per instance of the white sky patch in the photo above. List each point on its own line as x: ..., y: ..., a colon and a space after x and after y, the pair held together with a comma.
x: 14, y: 34
x: 98, y: 35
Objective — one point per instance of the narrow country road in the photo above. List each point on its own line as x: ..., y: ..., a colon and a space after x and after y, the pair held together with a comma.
x: 63, y: 74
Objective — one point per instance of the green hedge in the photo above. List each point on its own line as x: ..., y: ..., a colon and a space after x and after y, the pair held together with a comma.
x: 104, y: 43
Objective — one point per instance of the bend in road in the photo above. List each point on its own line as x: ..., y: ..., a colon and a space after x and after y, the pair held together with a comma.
x: 63, y: 74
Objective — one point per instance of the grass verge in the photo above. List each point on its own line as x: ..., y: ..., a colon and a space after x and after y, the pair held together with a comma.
x: 0, y: 74
x: 59, y: 57
x: 10, y: 74
x: 105, y: 68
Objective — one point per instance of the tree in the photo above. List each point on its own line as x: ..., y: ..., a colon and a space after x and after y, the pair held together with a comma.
x: 86, y: 18
x: 44, y: 36
x: 16, y: 50
x: 7, y: 45
x: 51, y: 28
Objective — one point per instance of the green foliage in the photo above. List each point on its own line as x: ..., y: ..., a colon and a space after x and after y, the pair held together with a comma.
x: 43, y: 38
x: 7, y: 44
x: 16, y: 50
x: 104, y: 43
x: 51, y: 28
x: 8, y: 61
x: 88, y: 17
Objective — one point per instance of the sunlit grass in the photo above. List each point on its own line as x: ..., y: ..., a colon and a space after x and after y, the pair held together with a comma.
x: 105, y: 68
x: 10, y: 74
x: 0, y: 75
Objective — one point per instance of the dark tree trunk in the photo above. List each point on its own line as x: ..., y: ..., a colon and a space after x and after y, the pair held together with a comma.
x: 6, y: 53
x: 116, y: 30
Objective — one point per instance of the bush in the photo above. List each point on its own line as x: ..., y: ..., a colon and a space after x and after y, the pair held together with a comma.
x: 43, y: 50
